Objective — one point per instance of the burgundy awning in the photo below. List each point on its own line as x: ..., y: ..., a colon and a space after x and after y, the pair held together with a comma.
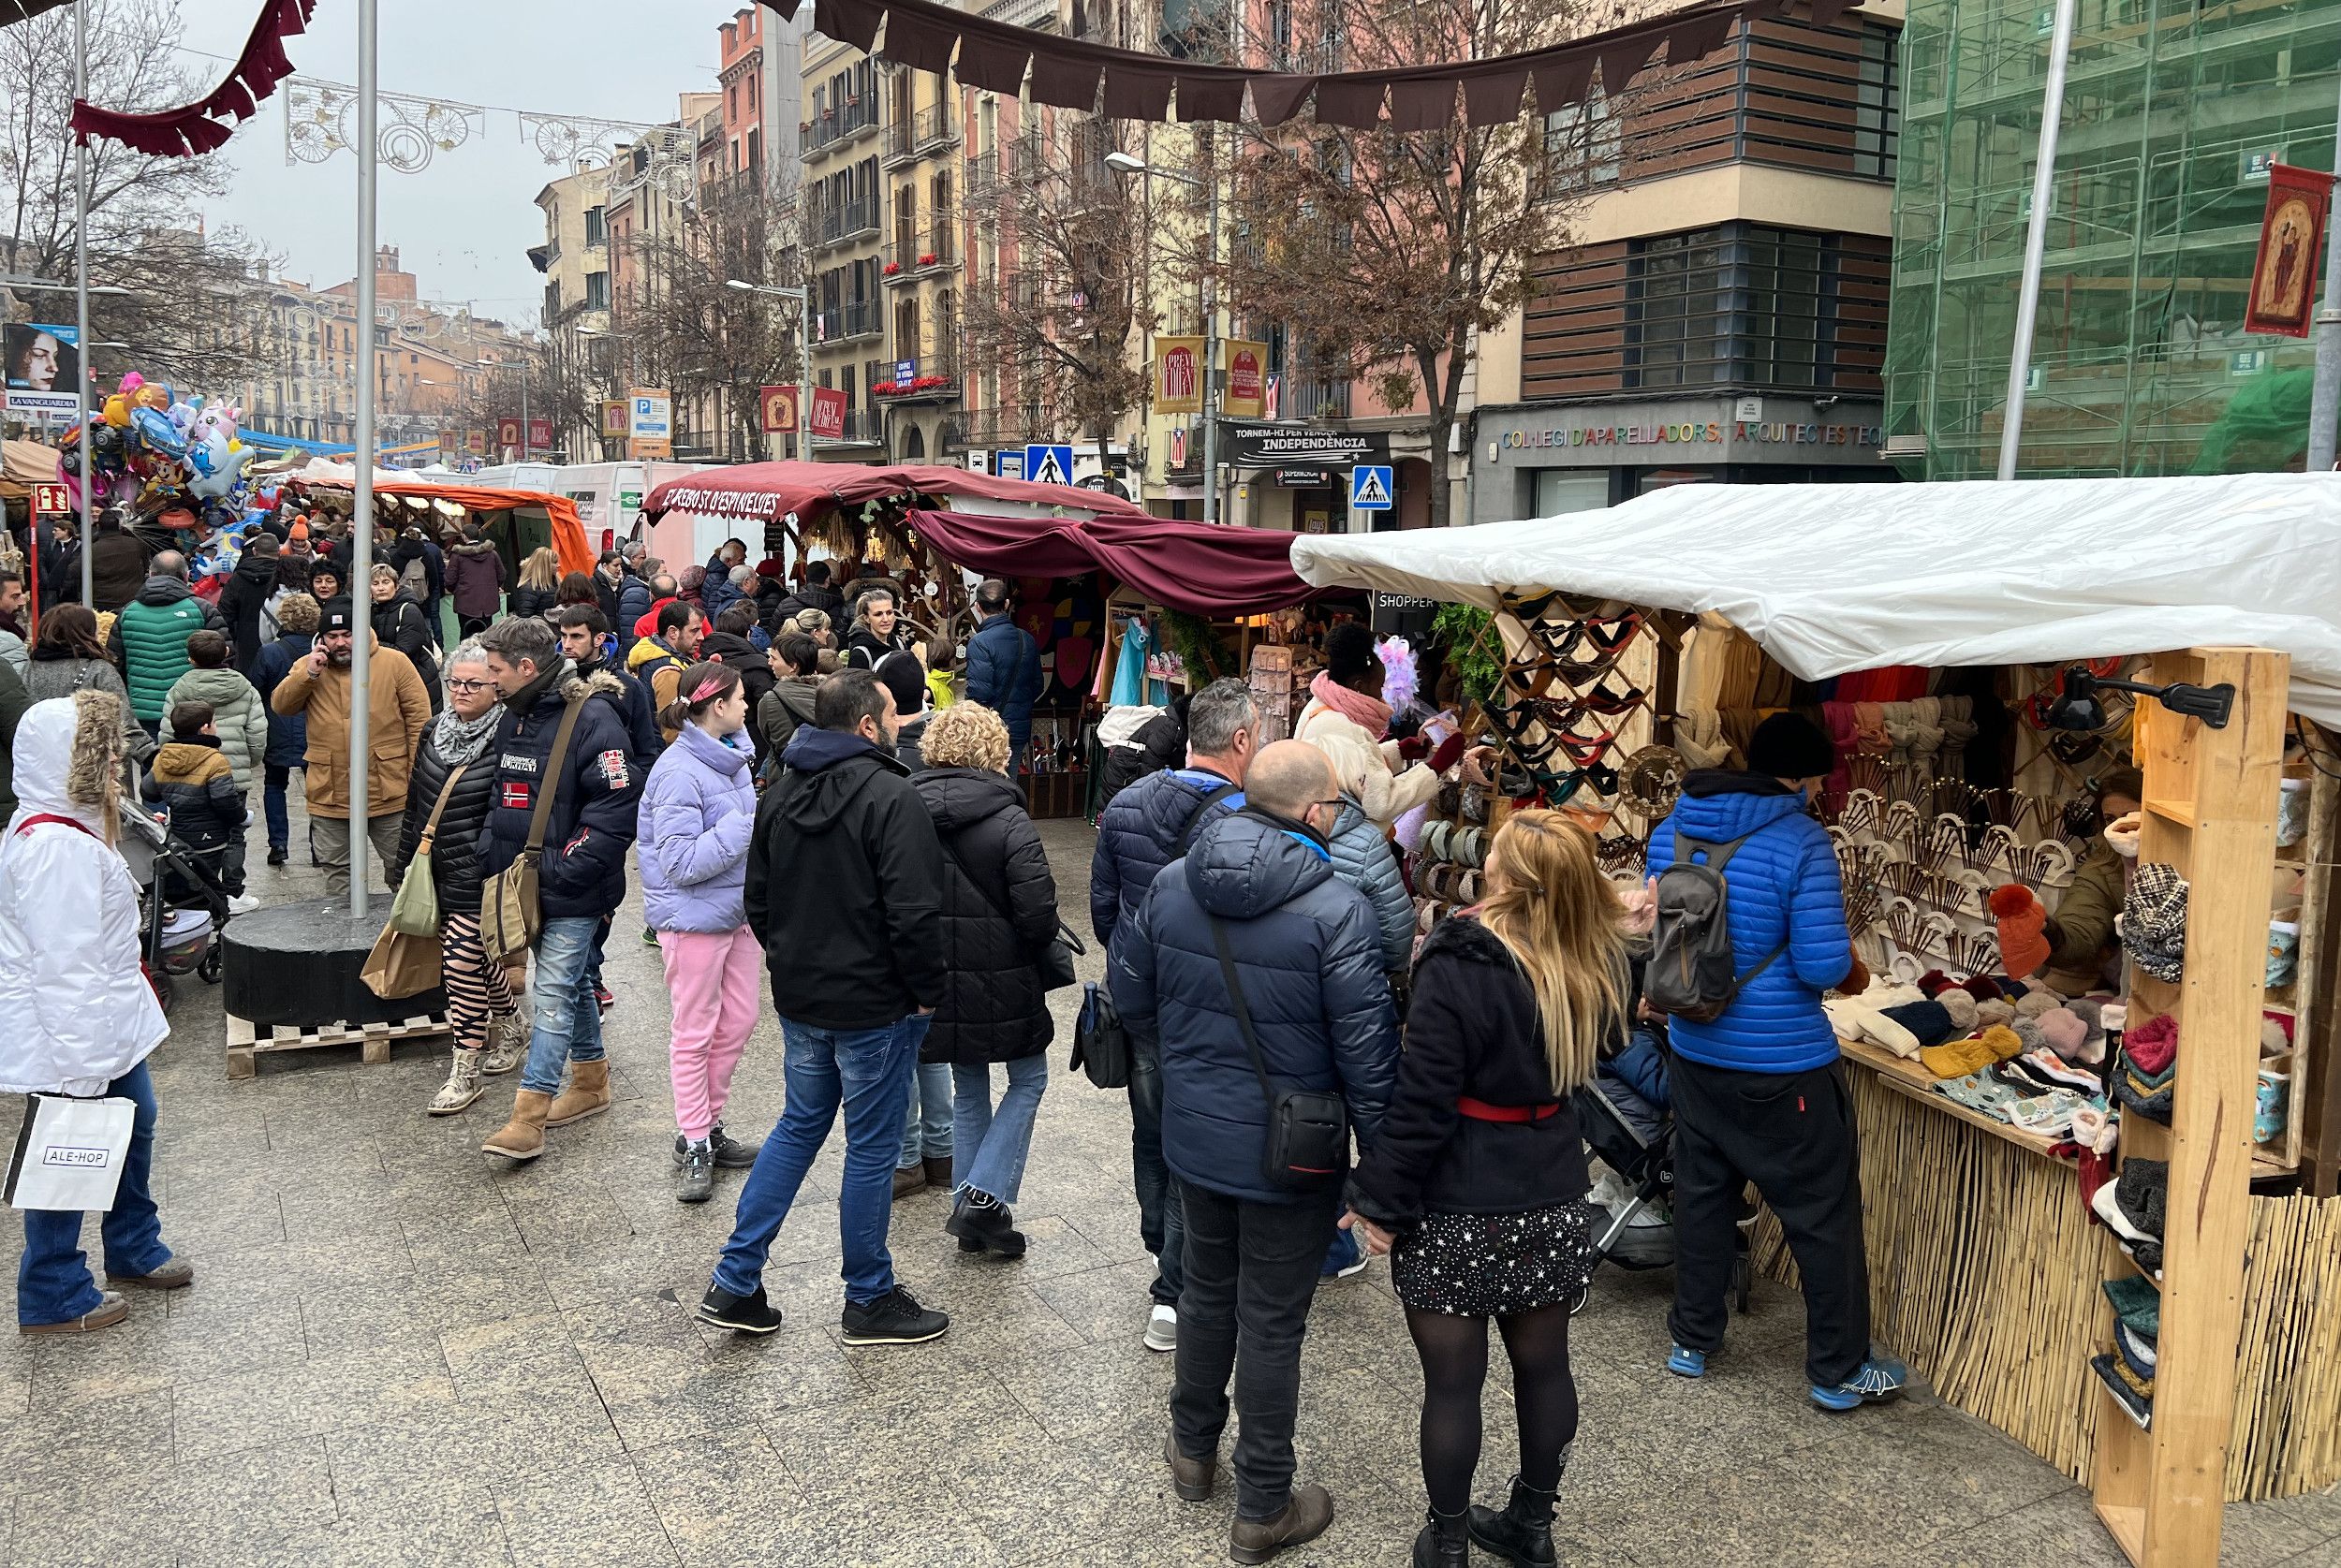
x: 763, y: 492
x: 1201, y: 569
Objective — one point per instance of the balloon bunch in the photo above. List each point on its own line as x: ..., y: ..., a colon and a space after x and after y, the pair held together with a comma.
x: 165, y: 460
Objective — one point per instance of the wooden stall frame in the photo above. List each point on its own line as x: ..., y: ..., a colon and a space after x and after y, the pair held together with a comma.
x: 2210, y: 811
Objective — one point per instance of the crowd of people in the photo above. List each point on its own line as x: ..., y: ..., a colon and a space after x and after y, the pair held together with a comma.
x: 1310, y: 1085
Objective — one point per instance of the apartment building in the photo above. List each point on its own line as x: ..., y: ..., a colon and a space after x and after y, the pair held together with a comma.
x: 843, y: 234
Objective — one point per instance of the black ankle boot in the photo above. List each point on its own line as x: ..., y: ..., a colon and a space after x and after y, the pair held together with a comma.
x: 1522, y: 1533
x: 1444, y: 1543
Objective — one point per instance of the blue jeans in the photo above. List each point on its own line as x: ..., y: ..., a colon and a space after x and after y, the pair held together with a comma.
x: 53, y: 1280
x: 272, y: 802
x: 1340, y: 1255
x: 927, y: 1119
x: 567, y: 1021
x: 867, y: 1070
x: 1161, y: 1222
x: 993, y: 1141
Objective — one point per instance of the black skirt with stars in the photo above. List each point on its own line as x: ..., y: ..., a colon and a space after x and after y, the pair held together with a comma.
x: 1495, y: 1265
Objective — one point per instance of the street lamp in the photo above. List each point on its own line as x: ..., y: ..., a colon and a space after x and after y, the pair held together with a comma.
x: 1127, y: 162
x: 38, y: 286
x: 804, y: 297
x: 487, y: 363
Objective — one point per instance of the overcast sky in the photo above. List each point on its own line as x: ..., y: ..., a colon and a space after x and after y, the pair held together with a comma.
x: 465, y: 223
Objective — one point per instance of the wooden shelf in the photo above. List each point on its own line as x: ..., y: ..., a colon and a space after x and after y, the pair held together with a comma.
x: 1912, y: 1078
x: 2128, y: 1526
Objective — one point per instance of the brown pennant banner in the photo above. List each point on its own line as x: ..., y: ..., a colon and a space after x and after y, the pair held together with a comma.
x: 2291, y: 238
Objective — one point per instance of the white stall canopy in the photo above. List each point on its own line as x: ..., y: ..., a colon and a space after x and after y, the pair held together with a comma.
x: 1832, y: 578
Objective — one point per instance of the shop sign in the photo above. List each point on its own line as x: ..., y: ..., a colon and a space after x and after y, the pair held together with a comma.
x: 475, y: 441
x: 778, y: 405
x: 1784, y: 433
x: 613, y: 418
x: 540, y: 435
x: 828, y: 415
x: 1246, y: 394
x: 1249, y: 443
x: 1691, y: 432
x: 1694, y: 432
x: 507, y: 433
x: 1304, y: 478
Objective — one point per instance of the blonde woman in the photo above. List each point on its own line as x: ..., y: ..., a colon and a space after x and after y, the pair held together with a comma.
x: 1479, y: 1174
x: 539, y: 589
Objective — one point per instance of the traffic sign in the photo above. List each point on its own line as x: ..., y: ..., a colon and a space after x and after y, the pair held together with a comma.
x: 1048, y: 464
x: 50, y: 498
x: 1370, y: 486
x: 1011, y: 464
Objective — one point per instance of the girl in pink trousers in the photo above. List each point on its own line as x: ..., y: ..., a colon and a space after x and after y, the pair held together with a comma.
x: 698, y: 812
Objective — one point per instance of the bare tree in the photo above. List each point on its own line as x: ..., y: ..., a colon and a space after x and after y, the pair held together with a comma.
x: 1072, y: 320
x: 182, y: 313
x: 1386, y: 255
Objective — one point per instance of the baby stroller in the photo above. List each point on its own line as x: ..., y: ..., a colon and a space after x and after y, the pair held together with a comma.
x: 181, y: 906
x: 1625, y: 1116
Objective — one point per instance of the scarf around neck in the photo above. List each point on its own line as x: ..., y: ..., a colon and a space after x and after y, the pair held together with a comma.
x: 1369, y: 713
x: 461, y: 741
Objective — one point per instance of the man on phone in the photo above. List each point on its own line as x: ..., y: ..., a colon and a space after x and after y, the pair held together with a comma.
x: 319, y: 688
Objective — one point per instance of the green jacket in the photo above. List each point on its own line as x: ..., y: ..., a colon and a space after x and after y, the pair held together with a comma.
x: 2080, y: 932
x: 149, y: 641
x: 14, y: 699
x: 237, y: 711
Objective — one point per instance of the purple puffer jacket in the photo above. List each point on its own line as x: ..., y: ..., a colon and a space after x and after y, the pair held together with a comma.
x: 698, y: 812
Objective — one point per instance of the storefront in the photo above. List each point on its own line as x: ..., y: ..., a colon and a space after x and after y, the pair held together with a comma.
x: 1543, y: 460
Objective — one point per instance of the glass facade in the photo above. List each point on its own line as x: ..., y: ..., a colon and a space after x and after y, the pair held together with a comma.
x: 2140, y: 363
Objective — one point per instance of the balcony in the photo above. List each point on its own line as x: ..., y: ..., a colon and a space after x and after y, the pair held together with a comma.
x: 916, y: 255
x: 1310, y: 399
x: 983, y: 173
x: 936, y: 381
x: 1025, y: 159
x: 1000, y: 427
x: 837, y: 223
x: 930, y: 130
x: 856, y: 318
x: 841, y: 123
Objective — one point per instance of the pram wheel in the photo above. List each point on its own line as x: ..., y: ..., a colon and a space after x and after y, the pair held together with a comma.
x: 208, y: 971
x: 1742, y: 1279
x: 1578, y: 1302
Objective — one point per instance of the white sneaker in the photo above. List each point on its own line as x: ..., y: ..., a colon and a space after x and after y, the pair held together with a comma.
x: 1162, y: 1328
x: 242, y: 903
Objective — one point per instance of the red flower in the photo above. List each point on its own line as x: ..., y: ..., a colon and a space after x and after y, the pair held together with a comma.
x: 892, y: 268
x: 927, y: 260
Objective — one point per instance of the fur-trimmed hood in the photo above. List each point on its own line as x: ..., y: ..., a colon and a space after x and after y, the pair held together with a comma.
x: 1464, y: 937
x: 67, y: 750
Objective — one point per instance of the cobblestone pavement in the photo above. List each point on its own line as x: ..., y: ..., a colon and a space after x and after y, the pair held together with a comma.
x: 397, y: 1350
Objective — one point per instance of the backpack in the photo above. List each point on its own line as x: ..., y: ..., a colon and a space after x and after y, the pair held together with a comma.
x: 416, y: 580
x: 1691, y: 973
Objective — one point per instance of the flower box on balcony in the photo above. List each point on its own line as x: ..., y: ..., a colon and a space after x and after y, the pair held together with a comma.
x: 927, y: 260
x: 886, y: 388
x: 892, y: 268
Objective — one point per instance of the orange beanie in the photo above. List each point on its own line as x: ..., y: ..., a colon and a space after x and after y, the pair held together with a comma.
x: 2023, y: 944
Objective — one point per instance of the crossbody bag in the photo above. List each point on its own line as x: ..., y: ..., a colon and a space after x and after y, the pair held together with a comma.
x: 511, y: 912
x: 1308, y: 1129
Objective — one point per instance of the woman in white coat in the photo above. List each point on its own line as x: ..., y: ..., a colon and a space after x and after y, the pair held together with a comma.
x: 83, y: 1017
x: 1347, y: 720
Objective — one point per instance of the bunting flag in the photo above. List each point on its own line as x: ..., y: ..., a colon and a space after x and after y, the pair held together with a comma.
x: 1126, y: 84
x: 205, y: 125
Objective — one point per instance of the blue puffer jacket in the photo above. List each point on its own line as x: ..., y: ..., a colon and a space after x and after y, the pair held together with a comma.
x: 1142, y: 829
x: 697, y: 814
x: 1310, y: 962
x: 1363, y: 858
x: 1783, y: 883
x: 1004, y: 674
x: 287, y: 733
x: 595, y: 800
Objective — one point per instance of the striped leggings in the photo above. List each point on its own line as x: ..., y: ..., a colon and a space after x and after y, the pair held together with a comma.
x: 474, y: 986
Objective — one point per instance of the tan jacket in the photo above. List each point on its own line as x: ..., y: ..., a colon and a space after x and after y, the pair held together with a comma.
x: 399, y: 712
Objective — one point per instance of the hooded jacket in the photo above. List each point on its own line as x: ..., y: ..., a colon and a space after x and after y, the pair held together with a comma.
x: 1138, y: 742
x: 844, y: 885
x: 240, y: 603
x: 756, y: 671
x: 287, y: 733
x: 81, y: 1012
x: 150, y: 640
x: 475, y: 578
x: 999, y: 914
x: 642, y: 723
x: 398, y: 712
x: 1143, y: 829
x: 633, y: 602
x: 237, y: 712
x: 191, y: 777
x: 716, y: 593
x: 784, y: 709
x: 1472, y: 1030
x: 13, y: 702
x: 1783, y: 885
x: 456, y: 847
x: 698, y: 814
x: 1310, y: 962
x: 596, y: 793
x: 1004, y: 674
x: 399, y: 623
x: 1363, y: 858
x: 117, y: 561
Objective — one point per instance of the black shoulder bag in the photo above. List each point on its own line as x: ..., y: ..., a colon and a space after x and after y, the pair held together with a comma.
x: 1308, y: 1129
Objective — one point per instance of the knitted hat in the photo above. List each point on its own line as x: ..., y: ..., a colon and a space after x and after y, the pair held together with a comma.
x: 2137, y: 1304
x: 2143, y: 1189
x: 1960, y: 1006
x: 1929, y: 1023
x: 2154, y: 1044
x: 2023, y: 921
x: 2027, y: 1030
x: 2034, y: 1002
x: 1982, y: 988
x: 1958, y: 1059
x: 335, y: 615
x: 1994, y: 1010
x: 2064, y: 1032
x: 2152, y: 922
x: 2090, y: 1010
x: 2137, y: 1406
x: 1791, y: 746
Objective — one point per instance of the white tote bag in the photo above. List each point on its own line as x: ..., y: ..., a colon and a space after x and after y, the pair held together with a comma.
x: 68, y: 1155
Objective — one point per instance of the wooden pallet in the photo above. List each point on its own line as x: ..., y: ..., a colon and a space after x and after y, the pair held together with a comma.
x: 373, y: 1039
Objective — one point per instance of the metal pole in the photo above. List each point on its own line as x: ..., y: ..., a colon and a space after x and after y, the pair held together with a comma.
x: 2036, y: 238
x: 524, y: 407
x: 361, y: 584
x: 81, y: 350
x: 805, y: 367
x: 1211, y: 361
x: 2324, y: 397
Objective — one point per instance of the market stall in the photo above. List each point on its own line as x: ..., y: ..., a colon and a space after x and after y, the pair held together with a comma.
x: 1928, y: 628
x: 520, y: 521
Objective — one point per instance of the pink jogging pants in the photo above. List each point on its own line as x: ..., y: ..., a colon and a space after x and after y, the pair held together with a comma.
x: 714, y: 980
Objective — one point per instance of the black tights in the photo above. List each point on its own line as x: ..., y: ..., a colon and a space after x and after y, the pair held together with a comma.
x: 1454, y: 1352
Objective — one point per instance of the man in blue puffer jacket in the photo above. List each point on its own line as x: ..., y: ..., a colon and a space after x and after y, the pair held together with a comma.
x: 1003, y: 669
x: 1759, y: 1094
x: 1307, y: 956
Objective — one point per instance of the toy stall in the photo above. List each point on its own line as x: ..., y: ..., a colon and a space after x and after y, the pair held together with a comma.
x: 2100, y: 1190
x: 519, y: 522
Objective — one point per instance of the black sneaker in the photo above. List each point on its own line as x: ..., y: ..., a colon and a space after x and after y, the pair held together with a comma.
x: 731, y: 1153
x: 893, y: 1319
x: 748, y: 1314
x: 699, y: 1174
x: 989, y: 1227
x: 276, y: 855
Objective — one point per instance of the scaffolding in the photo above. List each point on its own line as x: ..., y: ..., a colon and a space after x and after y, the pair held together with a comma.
x: 2139, y: 363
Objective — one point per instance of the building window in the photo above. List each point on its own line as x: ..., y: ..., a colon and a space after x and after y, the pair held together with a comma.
x: 597, y: 226
x: 597, y: 291
x: 1740, y: 305
x: 1585, y: 144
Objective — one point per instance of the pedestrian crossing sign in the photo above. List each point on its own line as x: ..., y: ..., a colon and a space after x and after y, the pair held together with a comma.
x: 1048, y: 464
x: 1369, y: 488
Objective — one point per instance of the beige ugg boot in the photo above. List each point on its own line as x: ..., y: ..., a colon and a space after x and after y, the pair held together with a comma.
x: 588, y: 1093
x: 523, y: 1137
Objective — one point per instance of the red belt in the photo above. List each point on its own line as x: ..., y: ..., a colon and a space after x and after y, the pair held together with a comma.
x: 1480, y: 1111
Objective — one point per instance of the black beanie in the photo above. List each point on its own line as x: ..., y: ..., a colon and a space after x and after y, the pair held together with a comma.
x: 1791, y: 746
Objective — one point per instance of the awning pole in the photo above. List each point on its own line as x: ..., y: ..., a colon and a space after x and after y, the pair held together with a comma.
x: 360, y: 585
x: 2036, y: 240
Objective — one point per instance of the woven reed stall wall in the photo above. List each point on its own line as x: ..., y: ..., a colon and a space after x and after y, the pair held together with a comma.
x: 1984, y: 1273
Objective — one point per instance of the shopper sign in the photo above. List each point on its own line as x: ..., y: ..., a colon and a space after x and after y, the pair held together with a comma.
x: 1256, y: 443
x: 650, y: 423
x: 827, y: 413
x: 1179, y: 375
x: 1370, y: 486
x: 2291, y: 233
x: 1047, y: 465
x: 1247, y: 376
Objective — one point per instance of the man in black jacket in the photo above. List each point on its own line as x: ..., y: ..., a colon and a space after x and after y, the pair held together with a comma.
x: 1251, y: 962
x: 844, y: 882
x: 582, y: 876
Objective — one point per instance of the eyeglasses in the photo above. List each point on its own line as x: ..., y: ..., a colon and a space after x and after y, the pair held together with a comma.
x: 454, y: 685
